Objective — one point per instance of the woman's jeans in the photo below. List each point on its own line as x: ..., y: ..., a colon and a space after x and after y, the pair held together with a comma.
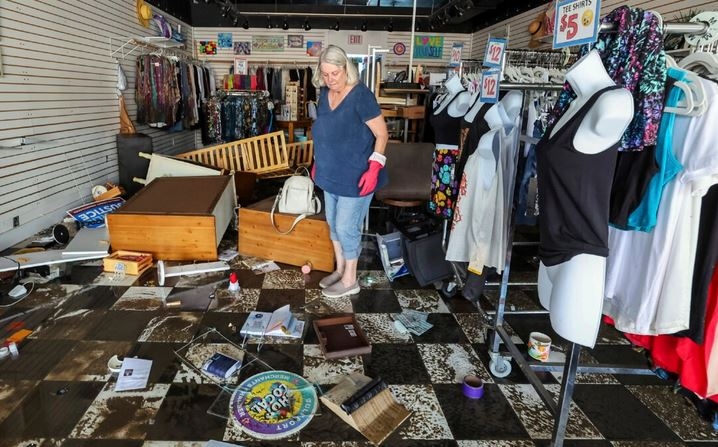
x: 345, y: 216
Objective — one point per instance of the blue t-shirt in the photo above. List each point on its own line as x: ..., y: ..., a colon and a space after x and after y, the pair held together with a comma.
x: 343, y: 142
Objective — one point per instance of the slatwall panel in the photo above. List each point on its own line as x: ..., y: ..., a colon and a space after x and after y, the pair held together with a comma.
x: 58, y: 107
x: 519, y: 36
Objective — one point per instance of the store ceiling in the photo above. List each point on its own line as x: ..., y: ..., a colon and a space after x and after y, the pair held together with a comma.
x: 432, y: 15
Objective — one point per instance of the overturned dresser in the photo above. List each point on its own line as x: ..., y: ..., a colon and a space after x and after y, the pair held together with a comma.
x: 309, y: 241
x: 175, y: 218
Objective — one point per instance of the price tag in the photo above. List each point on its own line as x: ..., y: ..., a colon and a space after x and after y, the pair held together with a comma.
x: 456, y: 50
x: 494, y: 52
x: 490, y: 86
x: 576, y: 22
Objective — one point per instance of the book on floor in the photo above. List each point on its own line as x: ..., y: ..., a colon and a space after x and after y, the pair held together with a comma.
x: 221, y: 365
x: 280, y: 323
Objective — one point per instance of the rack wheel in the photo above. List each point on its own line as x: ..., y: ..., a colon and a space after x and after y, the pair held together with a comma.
x: 448, y: 290
x: 500, y: 367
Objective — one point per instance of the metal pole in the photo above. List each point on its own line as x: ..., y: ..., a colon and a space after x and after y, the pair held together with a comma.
x: 564, y: 399
x: 669, y: 27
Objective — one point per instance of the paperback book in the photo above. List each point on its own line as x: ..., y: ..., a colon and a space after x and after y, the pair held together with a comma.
x: 221, y: 365
x: 280, y: 323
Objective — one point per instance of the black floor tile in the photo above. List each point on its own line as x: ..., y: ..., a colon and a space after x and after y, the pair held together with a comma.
x: 101, y: 443
x: 375, y: 301
x: 121, y: 325
x: 446, y: 330
x: 36, y: 359
x: 490, y: 417
x: 51, y: 410
x: 272, y: 299
x: 627, y: 356
x: 165, y: 363
x: 618, y: 414
x: 396, y: 364
x: 183, y: 414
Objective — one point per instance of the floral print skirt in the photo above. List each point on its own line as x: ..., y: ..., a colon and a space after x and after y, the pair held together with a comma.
x: 444, y: 187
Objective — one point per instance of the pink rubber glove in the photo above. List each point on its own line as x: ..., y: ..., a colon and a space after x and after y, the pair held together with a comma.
x: 314, y: 170
x: 368, y: 180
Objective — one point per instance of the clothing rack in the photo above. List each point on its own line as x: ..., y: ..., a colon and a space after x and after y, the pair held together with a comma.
x: 261, y: 93
x: 500, y: 365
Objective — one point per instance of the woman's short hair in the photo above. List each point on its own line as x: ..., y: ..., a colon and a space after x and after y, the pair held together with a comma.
x: 336, y: 56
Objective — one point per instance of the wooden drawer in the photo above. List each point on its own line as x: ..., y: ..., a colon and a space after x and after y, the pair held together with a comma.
x: 309, y: 241
x: 175, y: 218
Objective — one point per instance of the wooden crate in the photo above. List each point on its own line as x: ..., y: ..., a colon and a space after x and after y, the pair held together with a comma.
x: 130, y: 262
x: 175, y: 218
x: 309, y: 241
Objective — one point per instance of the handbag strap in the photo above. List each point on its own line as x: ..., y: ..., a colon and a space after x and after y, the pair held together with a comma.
x: 294, y: 224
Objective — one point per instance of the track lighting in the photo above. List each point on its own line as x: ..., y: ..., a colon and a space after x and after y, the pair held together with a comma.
x: 235, y: 21
x: 363, y: 27
x: 336, y: 26
x: 225, y: 10
x: 285, y: 24
x: 390, y: 26
x: 245, y: 25
x: 269, y: 23
x: 307, y: 26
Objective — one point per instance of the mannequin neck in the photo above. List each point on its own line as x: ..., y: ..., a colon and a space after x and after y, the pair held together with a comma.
x: 588, y: 75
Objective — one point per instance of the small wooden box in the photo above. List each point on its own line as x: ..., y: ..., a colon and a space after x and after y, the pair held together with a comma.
x: 131, y: 262
x: 341, y: 337
x: 175, y: 218
x: 309, y: 241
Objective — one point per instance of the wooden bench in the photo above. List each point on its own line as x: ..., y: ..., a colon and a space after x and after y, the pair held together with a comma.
x: 267, y: 155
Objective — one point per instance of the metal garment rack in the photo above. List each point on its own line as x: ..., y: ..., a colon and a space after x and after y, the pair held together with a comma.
x: 500, y: 364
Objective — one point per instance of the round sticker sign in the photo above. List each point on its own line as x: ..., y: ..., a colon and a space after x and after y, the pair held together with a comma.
x: 273, y: 404
x: 399, y: 48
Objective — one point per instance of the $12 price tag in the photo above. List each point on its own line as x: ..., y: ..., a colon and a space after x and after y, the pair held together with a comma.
x: 576, y: 22
x: 494, y: 52
x: 490, y: 86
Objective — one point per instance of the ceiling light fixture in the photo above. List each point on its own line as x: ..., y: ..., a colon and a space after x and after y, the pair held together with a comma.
x: 363, y: 26
x: 306, y: 25
x: 390, y: 26
x: 269, y: 23
x: 285, y: 24
x: 245, y: 24
x: 336, y: 26
x: 225, y: 10
x: 235, y: 21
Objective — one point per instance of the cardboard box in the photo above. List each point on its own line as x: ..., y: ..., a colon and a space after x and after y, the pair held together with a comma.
x: 341, y: 337
x: 309, y: 241
x: 175, y: 218
x: 130, y: 262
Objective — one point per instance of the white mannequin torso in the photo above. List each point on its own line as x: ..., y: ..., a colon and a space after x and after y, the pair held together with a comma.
x: 457, y: 100
x: 573, y: 290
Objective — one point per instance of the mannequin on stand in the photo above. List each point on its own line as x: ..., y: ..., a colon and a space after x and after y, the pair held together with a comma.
x: 576, y: 160
x: 446, y: 121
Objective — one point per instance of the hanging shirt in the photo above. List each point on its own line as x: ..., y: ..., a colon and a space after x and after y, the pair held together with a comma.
x: 653, y: 296
x: 574, y: 192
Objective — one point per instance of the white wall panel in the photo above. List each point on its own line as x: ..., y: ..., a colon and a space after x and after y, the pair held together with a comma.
x: 59, y: 111
x: 519, y: 36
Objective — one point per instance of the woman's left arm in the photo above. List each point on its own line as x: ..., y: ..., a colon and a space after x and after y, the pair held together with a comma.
x: 381, y: 134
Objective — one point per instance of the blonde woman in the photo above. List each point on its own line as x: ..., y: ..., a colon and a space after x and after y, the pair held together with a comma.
x: 349, y: 140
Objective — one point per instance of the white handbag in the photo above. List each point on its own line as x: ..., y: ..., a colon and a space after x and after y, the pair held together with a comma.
x: 296, y: 197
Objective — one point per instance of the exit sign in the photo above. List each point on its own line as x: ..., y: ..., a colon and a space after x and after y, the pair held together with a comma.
x: 355, y: 39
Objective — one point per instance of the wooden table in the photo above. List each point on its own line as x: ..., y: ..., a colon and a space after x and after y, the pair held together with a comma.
x: 290, y: 125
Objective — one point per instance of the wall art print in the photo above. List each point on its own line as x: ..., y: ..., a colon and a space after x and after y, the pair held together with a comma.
x: 243, y: 48
x: 267, y: 43
x: 208, y: 47
x: 224, y: 40
x: 314, y: 48
x: 295, y: 41
x: 428, y: 47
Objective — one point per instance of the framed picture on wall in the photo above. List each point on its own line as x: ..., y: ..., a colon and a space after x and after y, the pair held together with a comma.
x: 295, y: 41
x: 240, y: 66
